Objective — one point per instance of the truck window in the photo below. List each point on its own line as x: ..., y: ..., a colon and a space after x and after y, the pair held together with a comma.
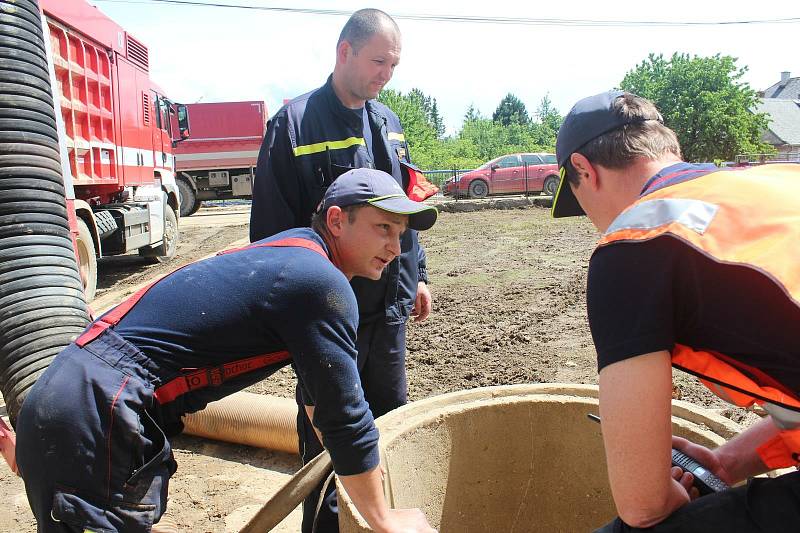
x: 163, y: 106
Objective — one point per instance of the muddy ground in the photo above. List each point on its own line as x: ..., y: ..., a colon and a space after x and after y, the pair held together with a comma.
x: 509, y: 307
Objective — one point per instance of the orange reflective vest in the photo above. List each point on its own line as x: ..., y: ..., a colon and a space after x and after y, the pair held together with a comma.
x: 746, y: 217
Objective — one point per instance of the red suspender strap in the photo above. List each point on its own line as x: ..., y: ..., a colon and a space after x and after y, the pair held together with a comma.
x: 113, y: 317
x: 214, y: 376
x: 198, y: 378
x: 110, y: 319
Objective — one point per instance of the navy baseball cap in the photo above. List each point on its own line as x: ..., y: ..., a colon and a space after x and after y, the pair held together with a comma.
x: 588, y: 119
x: 381, y: 190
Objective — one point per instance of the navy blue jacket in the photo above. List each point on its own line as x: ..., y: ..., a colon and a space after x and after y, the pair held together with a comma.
x: 258, y: 301
x: 310, y: 142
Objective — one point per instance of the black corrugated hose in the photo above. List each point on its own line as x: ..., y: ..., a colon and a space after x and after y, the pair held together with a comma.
x: 42, y: 308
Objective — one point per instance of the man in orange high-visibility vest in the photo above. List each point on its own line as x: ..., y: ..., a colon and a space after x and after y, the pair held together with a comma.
x: 697, y: 269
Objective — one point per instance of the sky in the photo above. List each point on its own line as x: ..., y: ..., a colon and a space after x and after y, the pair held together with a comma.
x: 211, y: 54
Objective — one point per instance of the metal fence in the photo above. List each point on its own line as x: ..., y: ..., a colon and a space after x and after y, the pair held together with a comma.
x: 441, y: 177
x: 760, y: 159
x: 451, y: 178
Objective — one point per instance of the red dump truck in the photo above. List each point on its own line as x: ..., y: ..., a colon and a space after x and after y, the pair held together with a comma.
x: 218, y: 161
x: 114, y: 130
x: 86, y: 170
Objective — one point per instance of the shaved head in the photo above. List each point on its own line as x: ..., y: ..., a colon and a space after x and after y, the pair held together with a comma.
x: 365, y: 23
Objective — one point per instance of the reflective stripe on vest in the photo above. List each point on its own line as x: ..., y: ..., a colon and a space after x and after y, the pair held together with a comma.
x: 395, y: 136
x: 748, y: 218
x: 198, y: 378
x: 308, y: 149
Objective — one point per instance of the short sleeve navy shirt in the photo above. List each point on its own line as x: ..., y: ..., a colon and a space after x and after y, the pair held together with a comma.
x: 644, y: 297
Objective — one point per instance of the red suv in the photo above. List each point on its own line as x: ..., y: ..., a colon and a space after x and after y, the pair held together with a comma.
x: 507, y: 175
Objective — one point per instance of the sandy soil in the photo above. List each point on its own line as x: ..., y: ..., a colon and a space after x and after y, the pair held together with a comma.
x: 509, y: 307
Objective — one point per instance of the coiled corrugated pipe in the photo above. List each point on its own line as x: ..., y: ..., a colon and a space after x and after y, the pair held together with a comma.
x: 247, y: 418
x: 42, y: 308
x: 166, y: 525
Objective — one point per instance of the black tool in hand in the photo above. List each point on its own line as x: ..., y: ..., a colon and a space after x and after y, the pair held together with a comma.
x: 704, y: 480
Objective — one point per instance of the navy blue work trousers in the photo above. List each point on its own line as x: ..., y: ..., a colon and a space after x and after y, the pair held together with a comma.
x: 88, y: 448
x: 382, y: 367
x: 763, y: 505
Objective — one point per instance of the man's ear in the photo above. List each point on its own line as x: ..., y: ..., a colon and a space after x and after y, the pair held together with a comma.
x: 342, y: 51
x: 586, y: 171
x: 334, y: 218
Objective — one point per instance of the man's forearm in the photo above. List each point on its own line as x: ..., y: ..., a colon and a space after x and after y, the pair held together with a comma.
x: 366, y: 492
x: 739, y: 457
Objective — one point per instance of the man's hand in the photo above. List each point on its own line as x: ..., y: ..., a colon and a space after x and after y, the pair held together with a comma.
x: 704, y: 456
x: 423, y: 303
x: 406, y: 521
x: 366, y: 492
x: 685, y: 480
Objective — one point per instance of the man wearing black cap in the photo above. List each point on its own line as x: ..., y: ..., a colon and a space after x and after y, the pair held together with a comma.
x: 310, y: 142
x: 92, y: 433
x: 697, y: 269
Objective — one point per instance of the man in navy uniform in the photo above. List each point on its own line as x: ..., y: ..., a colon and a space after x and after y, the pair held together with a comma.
x: 310, y: 142
x: 93, y: 444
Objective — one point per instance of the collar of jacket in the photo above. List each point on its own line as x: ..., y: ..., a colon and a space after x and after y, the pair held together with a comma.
x: 346, y: 114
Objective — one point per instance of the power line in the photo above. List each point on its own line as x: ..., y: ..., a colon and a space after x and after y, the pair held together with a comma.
x: 521, y: 21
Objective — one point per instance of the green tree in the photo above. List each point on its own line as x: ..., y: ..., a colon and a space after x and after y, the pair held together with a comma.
x: 471, y: 114
x: 419, y: 132
x: 704, y: 101
x: 511, y: 110
x: 549, y: 122
x: 436, y: 119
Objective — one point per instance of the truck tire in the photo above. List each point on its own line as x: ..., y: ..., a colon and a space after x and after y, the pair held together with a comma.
x: 189, y: 203
x: 169, y: 246
x: 478, y: 189
x: 87, y: 260
x: 195, y: 207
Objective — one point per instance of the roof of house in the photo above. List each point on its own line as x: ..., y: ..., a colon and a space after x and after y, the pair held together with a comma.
x: 791, y: 90
x: 785, y: 115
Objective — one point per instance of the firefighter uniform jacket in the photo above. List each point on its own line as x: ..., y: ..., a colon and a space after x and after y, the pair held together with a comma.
x: 718, y: 215
x: 310, y: 142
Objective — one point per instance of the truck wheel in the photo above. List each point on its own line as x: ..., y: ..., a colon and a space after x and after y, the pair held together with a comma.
x: 169, y: 246
x: 196, y: 207
x: 188, y: 198
x: 550, y: 186
x: 478, y: 189
x: 87, y: 260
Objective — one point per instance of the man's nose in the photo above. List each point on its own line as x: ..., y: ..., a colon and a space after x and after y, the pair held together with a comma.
x: 394, y: 245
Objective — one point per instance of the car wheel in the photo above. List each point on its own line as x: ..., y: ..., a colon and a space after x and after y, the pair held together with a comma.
x: 478, y: 189
x: 550, y: 187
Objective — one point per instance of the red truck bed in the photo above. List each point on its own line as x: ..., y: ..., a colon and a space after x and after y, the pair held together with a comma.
x: 223, y: 135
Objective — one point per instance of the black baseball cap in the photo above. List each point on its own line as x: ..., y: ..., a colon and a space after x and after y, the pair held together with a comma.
x: 587, y: 120
x: 381, y: 190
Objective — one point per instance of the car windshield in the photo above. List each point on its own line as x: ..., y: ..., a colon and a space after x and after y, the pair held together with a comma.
x: 488, y: 164
x: 549, y: 159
